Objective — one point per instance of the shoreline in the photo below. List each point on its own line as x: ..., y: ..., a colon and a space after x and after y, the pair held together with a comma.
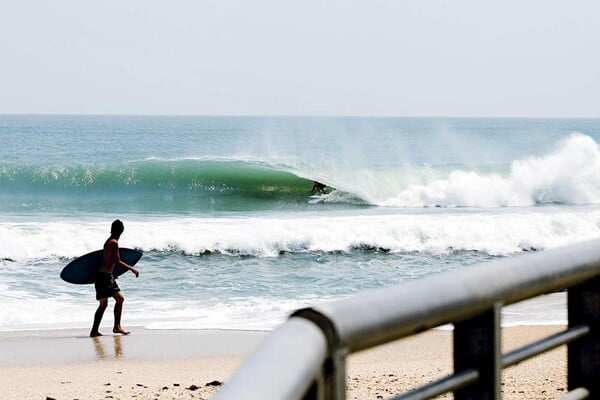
x: 67, y: 364
x: 44, y: 347
x: 546, y: 309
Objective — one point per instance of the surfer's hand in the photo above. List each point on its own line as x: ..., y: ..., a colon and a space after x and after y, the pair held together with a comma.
x: 136, y: 272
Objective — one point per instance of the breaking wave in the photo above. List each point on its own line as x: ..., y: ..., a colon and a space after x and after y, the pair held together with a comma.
x: 569, y: 174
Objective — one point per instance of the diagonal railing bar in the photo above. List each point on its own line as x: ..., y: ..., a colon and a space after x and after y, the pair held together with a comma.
x: 541, y: 346
x: 441, y: 386
x: 576, y: 394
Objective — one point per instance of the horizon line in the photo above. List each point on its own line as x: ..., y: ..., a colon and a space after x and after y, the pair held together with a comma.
x: 293, y: 116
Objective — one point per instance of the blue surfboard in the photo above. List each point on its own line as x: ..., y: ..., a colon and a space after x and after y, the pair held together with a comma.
x: 83, y: 270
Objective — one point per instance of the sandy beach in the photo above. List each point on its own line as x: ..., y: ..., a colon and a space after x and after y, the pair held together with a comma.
x: 193, y: 364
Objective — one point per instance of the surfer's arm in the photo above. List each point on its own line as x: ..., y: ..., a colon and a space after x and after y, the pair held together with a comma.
x: 117, y: 258
x: 129, y: 267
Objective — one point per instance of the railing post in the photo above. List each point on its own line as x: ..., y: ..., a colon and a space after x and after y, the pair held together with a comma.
x: 477, y: 346
x: 333, y: 371
x: 335, y: 375
x: 315, y: 390
x: 584, y: 354
x: 331, y: 382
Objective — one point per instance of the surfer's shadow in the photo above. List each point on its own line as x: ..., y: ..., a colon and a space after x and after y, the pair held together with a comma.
x: 100, y: 347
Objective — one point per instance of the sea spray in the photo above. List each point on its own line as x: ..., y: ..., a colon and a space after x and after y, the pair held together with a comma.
x: 570, y: 174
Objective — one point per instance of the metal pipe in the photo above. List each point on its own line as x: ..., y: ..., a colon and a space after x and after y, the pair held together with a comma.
x: 282, y: 367
x: 441, y: 386
x: 523, y: 353
x: 577, y: 394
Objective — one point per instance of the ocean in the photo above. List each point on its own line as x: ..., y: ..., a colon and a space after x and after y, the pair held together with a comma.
x: 232, y: 236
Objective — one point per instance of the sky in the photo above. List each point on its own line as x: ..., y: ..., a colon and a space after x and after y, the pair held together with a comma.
x: 306, y: 57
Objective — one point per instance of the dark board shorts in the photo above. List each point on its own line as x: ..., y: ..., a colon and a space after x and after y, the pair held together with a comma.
x: 106, y: 285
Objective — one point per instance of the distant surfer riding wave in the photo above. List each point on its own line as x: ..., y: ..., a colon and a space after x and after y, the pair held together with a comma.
x: 318, y: 188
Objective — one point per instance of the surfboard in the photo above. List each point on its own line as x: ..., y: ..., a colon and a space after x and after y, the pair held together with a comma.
x: 318, y: 198
x: 83, y: 270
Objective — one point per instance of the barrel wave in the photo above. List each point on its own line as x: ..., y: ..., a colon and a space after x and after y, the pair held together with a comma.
x: 152, y: 186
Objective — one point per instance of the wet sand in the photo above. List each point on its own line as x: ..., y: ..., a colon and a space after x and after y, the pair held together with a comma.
x: 182, y: 364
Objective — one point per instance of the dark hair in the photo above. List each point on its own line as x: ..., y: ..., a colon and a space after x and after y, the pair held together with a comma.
x: 117, y: 227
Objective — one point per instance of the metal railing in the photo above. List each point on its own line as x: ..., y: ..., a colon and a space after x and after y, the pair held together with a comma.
x: 305, y: 358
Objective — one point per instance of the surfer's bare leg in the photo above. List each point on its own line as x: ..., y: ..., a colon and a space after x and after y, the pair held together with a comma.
x: 119, y: 299
x: 98, y: 317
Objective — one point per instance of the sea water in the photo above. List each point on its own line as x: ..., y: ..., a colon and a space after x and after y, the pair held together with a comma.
x: 232, y: 236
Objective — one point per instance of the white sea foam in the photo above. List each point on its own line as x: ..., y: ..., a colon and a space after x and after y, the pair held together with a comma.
x: 568, y: 175
x: 252, y: 313
x: 50, y: 313
x: 19, y: 310
x: 502, y: 232
x: 30, y: 244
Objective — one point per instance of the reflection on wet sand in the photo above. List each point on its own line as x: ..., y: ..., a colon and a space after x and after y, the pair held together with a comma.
x: 100, y: 350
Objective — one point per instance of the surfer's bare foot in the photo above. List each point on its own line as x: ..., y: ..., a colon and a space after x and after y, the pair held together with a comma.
x: 95, y: 334
x: 118, y: 329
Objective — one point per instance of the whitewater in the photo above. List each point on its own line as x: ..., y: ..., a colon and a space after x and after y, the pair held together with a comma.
x: 232, y: 235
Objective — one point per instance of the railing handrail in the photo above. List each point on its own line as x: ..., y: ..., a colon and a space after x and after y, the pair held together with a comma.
x: 375, y: 317
x: 298, y: 343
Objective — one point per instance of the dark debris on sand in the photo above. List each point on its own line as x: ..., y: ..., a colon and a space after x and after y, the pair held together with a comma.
x: 140, y: 391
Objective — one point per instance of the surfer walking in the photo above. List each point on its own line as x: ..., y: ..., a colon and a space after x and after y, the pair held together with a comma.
x: 318, y: 188
x: 106, y: 285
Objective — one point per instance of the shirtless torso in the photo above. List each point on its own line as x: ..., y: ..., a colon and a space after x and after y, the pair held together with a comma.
x: 106, y: 285
x: 111, y: 257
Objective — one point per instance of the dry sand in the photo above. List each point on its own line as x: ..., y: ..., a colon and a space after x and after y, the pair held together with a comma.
x: 191, y: 364
x: 397, y: 367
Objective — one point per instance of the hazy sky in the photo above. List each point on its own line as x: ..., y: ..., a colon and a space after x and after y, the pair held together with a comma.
x: 304, y: 57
